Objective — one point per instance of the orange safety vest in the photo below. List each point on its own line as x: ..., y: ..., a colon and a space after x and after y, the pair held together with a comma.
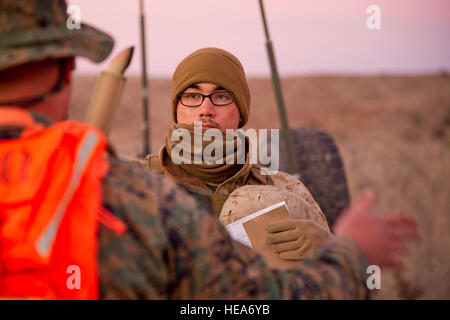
x: 50, y: 196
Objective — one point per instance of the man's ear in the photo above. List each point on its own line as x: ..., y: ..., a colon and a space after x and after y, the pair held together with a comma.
x: 69, y: 67
x: 176, y: 112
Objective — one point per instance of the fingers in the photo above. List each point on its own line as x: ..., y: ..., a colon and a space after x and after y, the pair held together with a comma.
x: 364, y: 202
x: 398, y: 247
x: 305, y: 251
x: 288, y: 230
x: 392, y: 262
x: 354, y: 216
x: 408, y: 233
x: 401, y: 229
x: 286, y: 246
x: 404, y: 226
x: 403, y: 219
x: 281, y: 226
x: 284, y: 236
x: 295, y: 239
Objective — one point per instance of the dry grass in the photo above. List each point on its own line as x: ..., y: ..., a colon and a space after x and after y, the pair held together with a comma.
x: 393, y: 133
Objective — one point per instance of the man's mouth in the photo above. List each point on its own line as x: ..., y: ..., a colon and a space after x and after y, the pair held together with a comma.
x: 208, y: 125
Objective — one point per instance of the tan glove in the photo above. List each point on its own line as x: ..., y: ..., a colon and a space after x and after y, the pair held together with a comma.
x: 296, y: 239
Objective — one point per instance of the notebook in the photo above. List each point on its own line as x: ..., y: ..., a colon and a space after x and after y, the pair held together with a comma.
x: 251, y: 231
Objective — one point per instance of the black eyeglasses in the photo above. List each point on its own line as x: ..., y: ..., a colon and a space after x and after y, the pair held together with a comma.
x: 193, y: 99
x: 59, y: 85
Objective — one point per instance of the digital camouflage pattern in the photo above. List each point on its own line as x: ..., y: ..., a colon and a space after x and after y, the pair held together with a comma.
x: 33, y: 30
x: 174, y: 248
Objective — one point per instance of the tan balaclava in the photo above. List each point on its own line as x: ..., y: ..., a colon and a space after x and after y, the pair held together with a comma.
x: 216, y: 66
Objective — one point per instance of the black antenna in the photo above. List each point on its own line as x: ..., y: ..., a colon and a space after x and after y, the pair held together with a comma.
x: 145, y: 88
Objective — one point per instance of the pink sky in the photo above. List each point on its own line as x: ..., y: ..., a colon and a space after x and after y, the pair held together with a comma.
x: 309, y: 36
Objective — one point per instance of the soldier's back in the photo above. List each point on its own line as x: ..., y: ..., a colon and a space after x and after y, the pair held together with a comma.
x: 174, y: 248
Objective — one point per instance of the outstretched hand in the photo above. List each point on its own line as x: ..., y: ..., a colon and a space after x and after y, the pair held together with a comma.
x: 381, y: 237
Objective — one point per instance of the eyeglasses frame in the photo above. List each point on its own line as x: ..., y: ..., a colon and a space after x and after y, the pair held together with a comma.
x: 206, y: 96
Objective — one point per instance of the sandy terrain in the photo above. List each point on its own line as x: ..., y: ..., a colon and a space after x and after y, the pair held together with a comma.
x: 393, y: 133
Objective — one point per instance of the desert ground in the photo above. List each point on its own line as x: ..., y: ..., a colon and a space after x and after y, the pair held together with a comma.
x: 393, y: 133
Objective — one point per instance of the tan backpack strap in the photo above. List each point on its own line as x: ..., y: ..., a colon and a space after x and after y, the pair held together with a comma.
x: 153, y: 163
x: 218, y: 201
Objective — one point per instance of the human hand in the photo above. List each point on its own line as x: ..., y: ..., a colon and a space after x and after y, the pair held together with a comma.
x: 381, y: 237
x: 296, y: 239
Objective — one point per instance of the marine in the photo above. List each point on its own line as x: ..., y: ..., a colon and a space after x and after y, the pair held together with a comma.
x: 142, y: 236
x: 211, y: 98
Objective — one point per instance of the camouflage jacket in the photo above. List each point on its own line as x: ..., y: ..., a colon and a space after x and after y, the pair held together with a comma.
x: 174, y: 248
x: 249, y: 174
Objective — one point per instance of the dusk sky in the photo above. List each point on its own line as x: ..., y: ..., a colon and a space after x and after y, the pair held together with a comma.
x: 309, y: 36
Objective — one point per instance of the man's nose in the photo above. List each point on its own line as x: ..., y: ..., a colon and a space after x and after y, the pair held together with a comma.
x: 207, y: 109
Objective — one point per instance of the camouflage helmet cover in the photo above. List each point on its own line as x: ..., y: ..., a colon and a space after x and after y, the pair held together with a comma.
x: 33, y: 30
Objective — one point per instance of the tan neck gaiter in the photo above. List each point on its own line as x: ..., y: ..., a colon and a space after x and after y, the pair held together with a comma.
x: 194, y: 150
